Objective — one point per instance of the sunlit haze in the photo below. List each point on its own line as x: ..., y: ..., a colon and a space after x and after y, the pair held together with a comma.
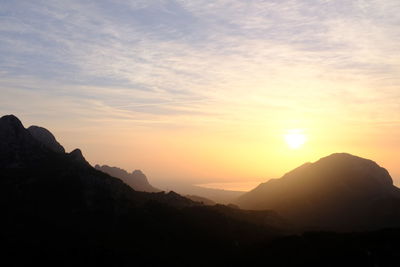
x: 295, y: 138
x: 207, y: 92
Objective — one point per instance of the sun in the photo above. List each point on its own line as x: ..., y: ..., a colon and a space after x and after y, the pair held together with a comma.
x: 295, y: 138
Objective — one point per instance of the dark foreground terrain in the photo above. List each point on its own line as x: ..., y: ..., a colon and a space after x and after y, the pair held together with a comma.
x: 57, y: 210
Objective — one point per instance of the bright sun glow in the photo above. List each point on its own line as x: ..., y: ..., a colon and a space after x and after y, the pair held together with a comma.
x: 295, y: 138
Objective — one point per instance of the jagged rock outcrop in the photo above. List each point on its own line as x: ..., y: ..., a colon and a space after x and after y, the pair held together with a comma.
x: 45, y: 137
x: 77, y: 155
x: 137, y: 179
x: 340, y: 191
x: 17, y: 146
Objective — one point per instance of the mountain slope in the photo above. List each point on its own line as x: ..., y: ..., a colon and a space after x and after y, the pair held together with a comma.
x: 137, y: 180
x: 340, y: 191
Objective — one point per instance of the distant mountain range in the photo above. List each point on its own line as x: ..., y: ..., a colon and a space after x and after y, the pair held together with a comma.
x: 338, y: 192
x: 216, y: 195
x: 137, y: 180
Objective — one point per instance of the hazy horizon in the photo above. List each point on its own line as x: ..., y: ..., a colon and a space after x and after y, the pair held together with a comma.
x: 201, y: 92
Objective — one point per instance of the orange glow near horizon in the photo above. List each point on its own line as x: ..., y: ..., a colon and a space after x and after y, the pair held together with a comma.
x: 223, y: 154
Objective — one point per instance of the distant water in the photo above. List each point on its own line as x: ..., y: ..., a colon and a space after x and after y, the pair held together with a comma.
x: 236, y: 186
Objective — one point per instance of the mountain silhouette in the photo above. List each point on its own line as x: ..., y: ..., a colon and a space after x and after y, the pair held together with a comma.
x: 57, y: 210
x: 338, y: 192
x: 137, y: 179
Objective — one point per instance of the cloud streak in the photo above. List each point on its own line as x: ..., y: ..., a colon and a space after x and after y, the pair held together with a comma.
x: 171, y: 59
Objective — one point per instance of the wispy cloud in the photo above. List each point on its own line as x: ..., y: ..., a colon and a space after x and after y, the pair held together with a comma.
x: 169, y: 60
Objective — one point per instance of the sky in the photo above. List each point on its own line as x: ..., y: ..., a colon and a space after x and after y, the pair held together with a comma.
x: 204, y: 92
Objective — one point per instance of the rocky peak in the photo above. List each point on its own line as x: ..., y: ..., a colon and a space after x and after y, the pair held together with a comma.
x: 77, y: 155
x: 11, y: 127
x: 45, y: 137
x: 354, y: 171
x: 138, y: 174
x: 340, y: 169
x: 17, y: 146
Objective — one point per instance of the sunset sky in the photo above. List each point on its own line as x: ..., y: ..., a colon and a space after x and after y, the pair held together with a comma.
x: 206, y: 91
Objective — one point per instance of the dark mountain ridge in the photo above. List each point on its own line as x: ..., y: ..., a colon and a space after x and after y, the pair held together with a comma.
x: 340, y: 191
